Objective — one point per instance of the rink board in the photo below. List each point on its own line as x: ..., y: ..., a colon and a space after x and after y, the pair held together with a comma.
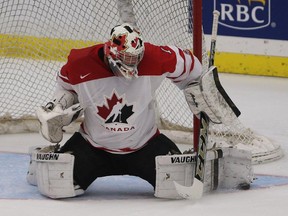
x: 13, y: 184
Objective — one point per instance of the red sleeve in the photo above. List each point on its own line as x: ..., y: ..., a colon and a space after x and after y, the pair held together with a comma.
x: 157, y: 60
x: 170, y: 60
x: 84, y: 65
x: 74, y: 64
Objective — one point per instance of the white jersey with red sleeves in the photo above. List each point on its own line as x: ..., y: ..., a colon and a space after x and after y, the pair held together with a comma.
x: 119, y: 114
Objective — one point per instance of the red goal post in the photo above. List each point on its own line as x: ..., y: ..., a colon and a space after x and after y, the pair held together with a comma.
x: 36, y: 37
x: 198, y: 52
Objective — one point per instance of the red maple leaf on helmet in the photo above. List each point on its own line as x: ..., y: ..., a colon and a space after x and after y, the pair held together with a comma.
x: 120, y: 42
x: 134, y: 42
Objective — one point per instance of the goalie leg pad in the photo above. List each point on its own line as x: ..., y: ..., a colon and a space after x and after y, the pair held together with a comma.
x: 170, y: 168
x: 32, y: 174
x: 238, y: 169
x: 55, y: 175
x: 228, y: 168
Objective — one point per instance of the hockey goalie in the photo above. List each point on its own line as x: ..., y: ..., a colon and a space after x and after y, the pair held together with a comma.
x: 112, y: 84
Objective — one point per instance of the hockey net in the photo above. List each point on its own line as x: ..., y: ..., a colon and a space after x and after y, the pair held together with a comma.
x: 36, y: 37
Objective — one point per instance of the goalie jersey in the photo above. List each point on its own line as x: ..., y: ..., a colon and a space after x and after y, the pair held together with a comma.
x: 119, y: 115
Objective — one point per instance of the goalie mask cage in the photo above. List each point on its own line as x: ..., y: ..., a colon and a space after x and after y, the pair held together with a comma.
x: 36, y: 37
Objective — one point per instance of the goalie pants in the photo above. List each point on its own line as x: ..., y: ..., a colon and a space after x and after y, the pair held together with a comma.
x: 91, y: 163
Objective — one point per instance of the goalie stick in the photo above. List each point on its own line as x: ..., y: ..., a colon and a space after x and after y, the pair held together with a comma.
x: 196, y: 190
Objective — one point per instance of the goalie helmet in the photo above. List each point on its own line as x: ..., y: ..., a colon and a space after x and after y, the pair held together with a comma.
x: 124, y: 50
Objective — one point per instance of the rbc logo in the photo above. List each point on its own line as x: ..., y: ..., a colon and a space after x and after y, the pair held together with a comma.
x: 244, y: 14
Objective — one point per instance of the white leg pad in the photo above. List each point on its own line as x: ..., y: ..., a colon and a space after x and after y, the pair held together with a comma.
x: 31, y: 174
x: 170, y: 168
x: 231, y: 170
x: 225, y: 168
x: 55, y: 175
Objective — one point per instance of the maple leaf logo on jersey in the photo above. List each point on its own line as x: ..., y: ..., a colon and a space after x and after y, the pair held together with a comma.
x: 115, y: 110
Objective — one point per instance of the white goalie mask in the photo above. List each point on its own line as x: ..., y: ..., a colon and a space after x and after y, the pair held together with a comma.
x: 124, y: 50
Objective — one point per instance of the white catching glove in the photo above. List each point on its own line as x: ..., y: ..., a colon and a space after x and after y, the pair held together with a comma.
x: 53, y: 118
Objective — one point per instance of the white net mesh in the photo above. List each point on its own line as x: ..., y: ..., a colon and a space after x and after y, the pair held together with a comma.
x: 36, y: 37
